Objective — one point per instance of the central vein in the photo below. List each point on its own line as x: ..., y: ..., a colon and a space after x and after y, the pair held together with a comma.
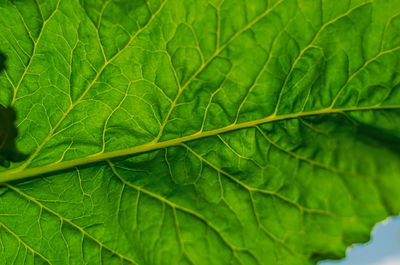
x: 18, y: 174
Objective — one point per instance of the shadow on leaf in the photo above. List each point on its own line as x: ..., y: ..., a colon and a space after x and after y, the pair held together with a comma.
x: 2, y: 62
x: 8, y: 131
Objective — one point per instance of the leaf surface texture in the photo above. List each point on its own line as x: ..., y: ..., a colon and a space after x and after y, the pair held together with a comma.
x: 198, y: 132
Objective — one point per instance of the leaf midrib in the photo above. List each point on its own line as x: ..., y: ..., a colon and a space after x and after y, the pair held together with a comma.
x: 18, y: 174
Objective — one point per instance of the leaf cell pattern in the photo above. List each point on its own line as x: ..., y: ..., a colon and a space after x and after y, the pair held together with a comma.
x: 198, y: 132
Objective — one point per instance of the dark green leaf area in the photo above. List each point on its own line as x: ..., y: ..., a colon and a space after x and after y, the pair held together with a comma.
x: 8, y: 133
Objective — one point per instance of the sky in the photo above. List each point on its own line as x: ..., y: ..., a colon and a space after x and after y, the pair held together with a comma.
x: 383, y: 249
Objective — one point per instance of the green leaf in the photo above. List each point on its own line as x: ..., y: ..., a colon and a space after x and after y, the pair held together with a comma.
x: 198, y: 131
